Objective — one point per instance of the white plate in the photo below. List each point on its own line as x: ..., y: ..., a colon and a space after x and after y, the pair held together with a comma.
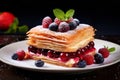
x: 7, y: 51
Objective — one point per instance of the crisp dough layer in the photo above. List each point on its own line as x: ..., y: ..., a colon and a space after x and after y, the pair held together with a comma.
x: 70, y: 41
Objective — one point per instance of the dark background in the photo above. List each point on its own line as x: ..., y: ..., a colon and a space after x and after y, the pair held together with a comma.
x: 103, y: 15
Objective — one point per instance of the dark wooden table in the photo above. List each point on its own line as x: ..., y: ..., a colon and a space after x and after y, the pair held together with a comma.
x: 8, y: 72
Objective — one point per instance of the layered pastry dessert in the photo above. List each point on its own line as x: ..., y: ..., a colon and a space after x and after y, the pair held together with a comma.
x: 63, y: 41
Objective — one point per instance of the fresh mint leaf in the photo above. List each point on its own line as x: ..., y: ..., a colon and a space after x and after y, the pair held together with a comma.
x: 14, y: 27
x: 16, y: 21
x: 23, y: 29
x: 69, y: 13
x: 59, y: 14
x: 111, y: 49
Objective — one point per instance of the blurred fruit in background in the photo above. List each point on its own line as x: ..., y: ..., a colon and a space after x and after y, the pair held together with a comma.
x: 6, y: 19
x: 9, y: 23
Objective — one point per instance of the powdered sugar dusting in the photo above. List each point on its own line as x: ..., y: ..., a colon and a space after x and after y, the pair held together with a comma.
x: 39, y: 27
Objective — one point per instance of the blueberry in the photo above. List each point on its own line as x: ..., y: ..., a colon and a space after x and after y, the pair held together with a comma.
x: 63, y: 27
x: 98, y: 58
x: 15, y: 56
x: 53, y: 26
x: 77, y: 21
x: 39, y: 63
x: 82, y: 64
x: 72, y: 25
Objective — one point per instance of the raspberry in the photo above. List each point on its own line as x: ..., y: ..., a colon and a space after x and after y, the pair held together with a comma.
x: 21, y: 54
x: 69, y: 20
x: 46, y: 21
x: 89, y: 59
x: 104, y: 51
x: 57, y: 21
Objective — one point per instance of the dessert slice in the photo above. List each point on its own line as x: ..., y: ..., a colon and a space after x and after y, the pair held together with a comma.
x: 62, y: 42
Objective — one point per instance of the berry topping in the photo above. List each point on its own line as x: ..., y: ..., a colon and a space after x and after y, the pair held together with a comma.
x: 104, y: 51
x: 57, y: 21
x: 69, y: 20
x: 77, y: 21
x: 46, y: 22
x: 89, y: 59
x: 72, y: 25
x: 21, y: 54
x: 82, y: 64
x: 64, y: 57
x: 63, y: 27
x: 15, y: 56
x: 98, y: 58
x: 53, y: 26
x: 39, y: 63
x: 63, y: 21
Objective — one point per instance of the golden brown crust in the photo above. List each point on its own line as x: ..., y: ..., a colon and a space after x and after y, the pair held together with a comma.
x: 63, y: 42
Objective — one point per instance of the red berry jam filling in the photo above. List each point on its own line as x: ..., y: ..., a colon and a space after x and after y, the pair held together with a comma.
x: 63, y: 56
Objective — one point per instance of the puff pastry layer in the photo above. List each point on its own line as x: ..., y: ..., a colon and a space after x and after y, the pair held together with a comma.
x: 70, y: 41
